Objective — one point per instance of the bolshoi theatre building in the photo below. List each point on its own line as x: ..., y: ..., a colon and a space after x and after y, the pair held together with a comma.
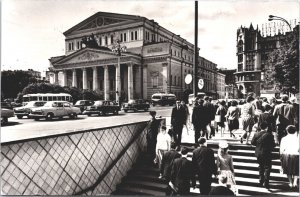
x: 155, y: 59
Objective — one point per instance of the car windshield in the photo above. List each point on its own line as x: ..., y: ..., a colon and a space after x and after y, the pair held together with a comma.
x: 80, y: 103
x: 30, y: 104
x: 156, y: 97
x: 98, y: 103
x: 49, y: 104
x: 131, y: 101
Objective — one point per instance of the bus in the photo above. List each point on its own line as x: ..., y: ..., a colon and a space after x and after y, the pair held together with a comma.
x: 192, y: 98
x: 163, y: 99
x: 46, y: 97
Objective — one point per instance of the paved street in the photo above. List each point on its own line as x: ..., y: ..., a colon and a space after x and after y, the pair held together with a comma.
x: 28, y: 128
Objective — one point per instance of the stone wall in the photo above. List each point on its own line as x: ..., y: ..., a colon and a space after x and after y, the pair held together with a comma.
x: 88, y: 162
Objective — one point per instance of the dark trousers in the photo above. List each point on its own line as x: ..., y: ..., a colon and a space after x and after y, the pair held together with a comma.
x: 177, y: 134
x: 198, y: 130
x: 151, y: 145
x: 265, y: 165
x: 205, y: 184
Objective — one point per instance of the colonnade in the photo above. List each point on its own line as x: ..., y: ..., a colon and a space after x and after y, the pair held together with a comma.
x: 106, y: 79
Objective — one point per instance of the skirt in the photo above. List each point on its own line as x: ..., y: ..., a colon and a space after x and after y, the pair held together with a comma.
x: 247, y: 123
x: 233, y: 124
x: 290, y: 164
x: 230, y: 180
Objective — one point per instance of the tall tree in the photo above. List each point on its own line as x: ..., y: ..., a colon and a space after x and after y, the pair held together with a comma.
x: 284, y: 63
x: 13, y: 82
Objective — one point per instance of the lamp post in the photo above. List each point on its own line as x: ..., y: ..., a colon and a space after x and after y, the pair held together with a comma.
x: 272, y: 17
x: 118, y: 49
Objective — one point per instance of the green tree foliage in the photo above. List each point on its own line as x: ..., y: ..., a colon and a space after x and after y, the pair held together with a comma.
x: 13, y: 82
x: 284, y: 63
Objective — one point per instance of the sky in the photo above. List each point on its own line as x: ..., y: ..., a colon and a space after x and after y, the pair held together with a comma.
x: 32, y: 30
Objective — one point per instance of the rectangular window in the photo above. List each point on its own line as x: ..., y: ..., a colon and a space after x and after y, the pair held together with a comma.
x: 121, y: 37
x: 154, y: 82
x: 112, y: 39
x: 100, y: 41
x: 78, y: 45
x: 69, y: 47
x: 72, y: 46
x: 125, y: 37
x: 136, y: 35
x: 132, y: 35
x: 106, y: 41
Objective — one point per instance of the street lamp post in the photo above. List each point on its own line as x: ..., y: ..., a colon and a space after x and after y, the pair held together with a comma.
x: 118, y: 49
x: 272, y: 17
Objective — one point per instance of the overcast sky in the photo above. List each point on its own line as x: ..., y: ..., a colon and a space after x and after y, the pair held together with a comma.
x: 31, y: 30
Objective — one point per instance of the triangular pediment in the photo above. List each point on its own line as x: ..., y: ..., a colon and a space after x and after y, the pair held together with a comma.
x: 86, y: 55
x: 102, y: 20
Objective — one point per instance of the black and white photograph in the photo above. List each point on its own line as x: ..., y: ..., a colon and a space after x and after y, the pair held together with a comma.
x: 150, y: 97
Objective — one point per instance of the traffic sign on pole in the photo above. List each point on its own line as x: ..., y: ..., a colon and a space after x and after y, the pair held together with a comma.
x: 200, y: 84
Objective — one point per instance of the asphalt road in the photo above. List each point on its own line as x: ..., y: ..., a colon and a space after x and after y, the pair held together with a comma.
x: 17, y: 129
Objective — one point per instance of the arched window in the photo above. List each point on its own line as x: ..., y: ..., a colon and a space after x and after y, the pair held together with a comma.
x: 240, y: 46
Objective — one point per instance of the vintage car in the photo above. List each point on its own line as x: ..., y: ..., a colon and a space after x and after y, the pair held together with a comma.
x: 53, y: 109
x: 83, y: 104
x: 136, y: 105
x: 25, y: 110
x: 102, y: 107
x: 6, y: 112
x: 163, y: 99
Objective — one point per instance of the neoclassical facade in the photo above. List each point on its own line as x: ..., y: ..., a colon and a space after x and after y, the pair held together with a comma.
x: 156, y: 60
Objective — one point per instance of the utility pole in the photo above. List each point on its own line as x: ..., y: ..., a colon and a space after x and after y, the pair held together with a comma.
x: 195, y: 70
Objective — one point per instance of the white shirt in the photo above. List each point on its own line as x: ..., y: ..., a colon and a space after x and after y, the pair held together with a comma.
x: 290, y: 144
x: 163, y: 141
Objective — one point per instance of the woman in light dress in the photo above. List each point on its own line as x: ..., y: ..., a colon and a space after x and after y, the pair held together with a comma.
x: 225, y: 165
x: 289, y: 152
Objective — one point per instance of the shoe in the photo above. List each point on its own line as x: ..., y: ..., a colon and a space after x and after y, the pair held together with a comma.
x: 160, y: 176
x: 290, y: 185
x: 178, y: 148
x: 261, y: 182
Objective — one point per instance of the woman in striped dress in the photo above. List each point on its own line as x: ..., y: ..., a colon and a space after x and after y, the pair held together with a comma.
x: 247, y: 114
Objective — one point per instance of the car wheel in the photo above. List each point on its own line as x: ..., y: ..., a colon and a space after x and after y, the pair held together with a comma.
x: 116, y: 112
x: 125, y: 110
x: 19, y: 116
x: 49, y: 116
x: 4, y: 120
x: 146, y: 109
x: 36, y: 119
x: 88, y: 114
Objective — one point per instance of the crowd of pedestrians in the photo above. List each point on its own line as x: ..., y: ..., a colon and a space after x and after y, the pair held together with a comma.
x: 274, y: 124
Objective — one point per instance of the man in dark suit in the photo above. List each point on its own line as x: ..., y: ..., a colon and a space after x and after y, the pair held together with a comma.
x: 178, y: 119
x: 198, y: 120
x: 222, y: 189
x: 152, y: 135
x: 167, y: 162
x: 264, y: 142
x: 204, y: 164
x: 182, y: 173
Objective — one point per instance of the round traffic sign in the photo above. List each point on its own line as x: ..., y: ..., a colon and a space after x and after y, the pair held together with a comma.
x: 188, y: 79
x: 200, y: 84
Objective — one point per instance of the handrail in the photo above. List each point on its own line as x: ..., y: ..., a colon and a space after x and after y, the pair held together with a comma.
x: 103, y: 175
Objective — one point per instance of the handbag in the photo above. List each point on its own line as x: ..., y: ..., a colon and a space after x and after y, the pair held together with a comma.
x: 218, y: 118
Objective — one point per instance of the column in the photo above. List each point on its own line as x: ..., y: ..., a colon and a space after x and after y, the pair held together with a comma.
x: 106, y: 83
x: 84, y: 78
x: 95, y: 78
x: 74, y: 78
x: 55, y: 77
x: 145, y: 73
x: 130, y: 82
x: 64, y: 81
x: 118, y: 80
x: 165, y: 77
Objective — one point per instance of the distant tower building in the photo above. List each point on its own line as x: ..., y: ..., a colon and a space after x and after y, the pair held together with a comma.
x: 252, y: 55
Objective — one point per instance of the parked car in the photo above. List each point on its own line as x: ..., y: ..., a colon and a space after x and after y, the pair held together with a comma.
x: 135, y: 105
x: 25, y: 110
x: 83, y: 104
x: 6, y: 112
x: 102, y: 107
x: 55, y: 109
x: 163, y: 99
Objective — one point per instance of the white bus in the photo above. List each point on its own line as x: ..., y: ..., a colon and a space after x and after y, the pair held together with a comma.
x: 46, y: 97
x: 192, y: 98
